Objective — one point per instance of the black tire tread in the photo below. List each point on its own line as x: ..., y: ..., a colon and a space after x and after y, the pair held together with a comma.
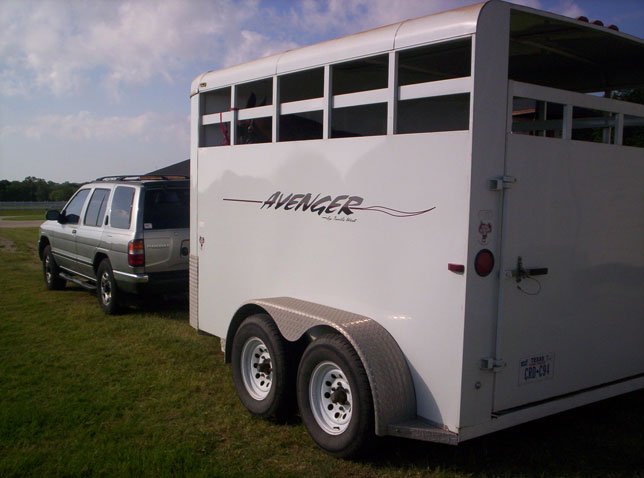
x: 56, y: 282
x: 279, y: 405
x: 359, y: 437
x: 115, y: 305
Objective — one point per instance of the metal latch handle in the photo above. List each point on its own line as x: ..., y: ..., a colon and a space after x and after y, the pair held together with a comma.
x: 521, y: 272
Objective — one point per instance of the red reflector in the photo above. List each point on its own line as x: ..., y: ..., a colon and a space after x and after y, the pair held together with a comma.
x: 484, y: 262
x: 459, y: 268
x: 136, y: 253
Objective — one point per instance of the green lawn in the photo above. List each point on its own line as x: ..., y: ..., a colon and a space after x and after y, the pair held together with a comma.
x: 142, y: 394
x: 27, y: 214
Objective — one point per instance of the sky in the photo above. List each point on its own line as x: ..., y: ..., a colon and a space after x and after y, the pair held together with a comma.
x: 92, y: 88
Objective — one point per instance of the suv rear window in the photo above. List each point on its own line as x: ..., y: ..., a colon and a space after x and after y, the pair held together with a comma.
x: 166, y: 208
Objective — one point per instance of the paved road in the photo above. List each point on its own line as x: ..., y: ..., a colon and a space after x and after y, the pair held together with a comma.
x: 7, y: 222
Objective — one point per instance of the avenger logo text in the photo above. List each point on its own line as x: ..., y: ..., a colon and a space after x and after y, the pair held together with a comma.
x: 337, y: 207
x: 306, y: 202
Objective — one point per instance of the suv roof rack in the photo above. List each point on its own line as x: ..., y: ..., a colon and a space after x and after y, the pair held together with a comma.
x: 143, y: 177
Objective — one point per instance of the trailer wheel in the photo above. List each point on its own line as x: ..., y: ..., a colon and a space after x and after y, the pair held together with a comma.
x: 50, y: 271
x: 260, y: 371
x: 334, y: 397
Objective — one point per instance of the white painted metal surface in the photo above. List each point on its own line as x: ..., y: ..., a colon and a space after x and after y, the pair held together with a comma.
x: 395, y: 209
x: 371, y: 262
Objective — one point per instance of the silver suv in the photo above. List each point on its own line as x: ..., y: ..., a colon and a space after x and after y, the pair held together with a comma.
x: 120, y: 235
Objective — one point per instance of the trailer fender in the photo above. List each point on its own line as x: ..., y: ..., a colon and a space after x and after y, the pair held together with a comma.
x: 392, y: 388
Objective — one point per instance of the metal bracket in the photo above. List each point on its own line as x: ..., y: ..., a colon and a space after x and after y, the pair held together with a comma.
x: 521, y: 273
x: 501, y: 183
x: 492, y: 364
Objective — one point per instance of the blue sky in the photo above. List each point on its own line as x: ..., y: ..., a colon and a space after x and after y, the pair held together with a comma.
x: 99, y: 87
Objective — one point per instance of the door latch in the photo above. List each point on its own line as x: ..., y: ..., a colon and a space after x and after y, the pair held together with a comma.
x: 521, y: 272
x: 501, y: 183
x: 492, y: 364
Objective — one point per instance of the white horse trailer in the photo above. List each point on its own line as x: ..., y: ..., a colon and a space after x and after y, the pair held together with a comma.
x: 433, y: 229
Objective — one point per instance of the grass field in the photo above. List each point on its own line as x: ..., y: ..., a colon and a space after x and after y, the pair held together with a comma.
x: 142, y: 394
x: 23, y: 214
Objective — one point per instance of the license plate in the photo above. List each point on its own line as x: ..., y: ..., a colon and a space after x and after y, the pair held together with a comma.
x: 536, y: 368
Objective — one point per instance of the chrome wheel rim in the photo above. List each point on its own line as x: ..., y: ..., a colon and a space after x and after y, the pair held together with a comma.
x: 330, y: 398
x: 257, y: 368
x: 48, y: 273
x: 106, y: 288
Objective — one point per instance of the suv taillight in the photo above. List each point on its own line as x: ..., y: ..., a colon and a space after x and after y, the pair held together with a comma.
x: 136, y: 253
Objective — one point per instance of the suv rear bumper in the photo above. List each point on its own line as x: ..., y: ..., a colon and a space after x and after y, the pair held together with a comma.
x: 175, y: 282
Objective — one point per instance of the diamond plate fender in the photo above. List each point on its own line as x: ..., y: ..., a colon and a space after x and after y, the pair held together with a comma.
x: 391, y: 384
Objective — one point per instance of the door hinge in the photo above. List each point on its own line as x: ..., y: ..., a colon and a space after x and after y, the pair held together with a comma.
x: 492, y: 364
x: 500, y: 183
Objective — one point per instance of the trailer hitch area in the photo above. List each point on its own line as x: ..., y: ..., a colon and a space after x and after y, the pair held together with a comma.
x: 521, y: 272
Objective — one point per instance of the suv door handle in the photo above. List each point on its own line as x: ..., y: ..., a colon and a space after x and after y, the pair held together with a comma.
x: 73, y: 231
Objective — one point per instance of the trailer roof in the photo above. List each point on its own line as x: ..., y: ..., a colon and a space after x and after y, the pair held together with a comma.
x: 450, y: 24
x: 598, y: 54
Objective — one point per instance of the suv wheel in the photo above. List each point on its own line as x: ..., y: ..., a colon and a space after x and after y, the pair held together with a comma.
x: 106, y: 289
x: 50, y: 271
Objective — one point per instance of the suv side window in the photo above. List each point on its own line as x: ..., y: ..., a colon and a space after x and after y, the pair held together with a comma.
x: 75, y: 206
x: 121, y: 213
x: 97, y: 206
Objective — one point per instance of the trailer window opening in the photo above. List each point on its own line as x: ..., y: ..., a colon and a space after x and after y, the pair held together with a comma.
x: 255, y: 130
x: 362, y: 120
x: 443, y: 61
x: 303, y: 85
x: 217, y: 134
x: 301, y: 98
x: 633, y: 131
x: 254, y: 94
x: 593, y: 125
x: 216, y: 101
x: 360, y: 75
x: 608, y: 123
x: 434, y: 114
x: 306, y: 125
x: 215, y: 121
x: 537, y: 118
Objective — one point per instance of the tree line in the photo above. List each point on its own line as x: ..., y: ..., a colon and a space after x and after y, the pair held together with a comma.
x: 36, y: 189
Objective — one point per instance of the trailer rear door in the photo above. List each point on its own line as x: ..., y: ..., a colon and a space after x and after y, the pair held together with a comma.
x: 577, y: 210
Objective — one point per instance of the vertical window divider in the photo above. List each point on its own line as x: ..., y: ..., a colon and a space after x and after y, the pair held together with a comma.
x: 233, y: 115
x: 392, y: 97
x: 566, y: 132
x: 328, y: 103
x: 619, y: 128
x: 276, y: 109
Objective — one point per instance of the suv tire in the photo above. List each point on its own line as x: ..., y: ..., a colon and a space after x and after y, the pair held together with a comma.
x: 106, y: 289
x: 51, y: 271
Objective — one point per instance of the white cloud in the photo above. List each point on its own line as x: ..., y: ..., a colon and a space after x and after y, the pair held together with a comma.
x: 62, y: 46
x: 251, y: 45
x: 86, y: 126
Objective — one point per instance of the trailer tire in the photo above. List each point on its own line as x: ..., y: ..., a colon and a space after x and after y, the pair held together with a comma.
x: 261, y: 373
x: 334, y: 397
x: 107, y: 292
x: 50, y: 271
